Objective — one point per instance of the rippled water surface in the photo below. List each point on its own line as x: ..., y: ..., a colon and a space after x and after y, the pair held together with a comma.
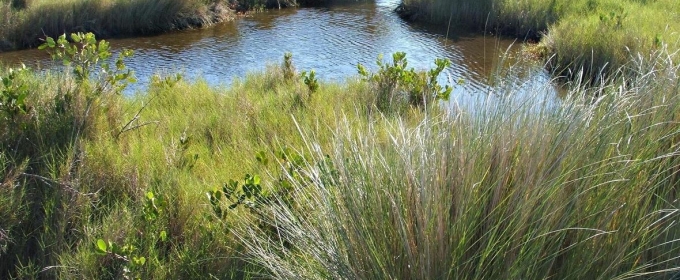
x: 330, y: 40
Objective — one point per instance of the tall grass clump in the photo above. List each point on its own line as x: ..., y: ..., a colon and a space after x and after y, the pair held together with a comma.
x: 514, y: 190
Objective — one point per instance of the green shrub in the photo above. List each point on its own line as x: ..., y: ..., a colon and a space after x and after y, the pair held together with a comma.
x: 13, y: 95
x: 85, y: 54
x: 398, y: 87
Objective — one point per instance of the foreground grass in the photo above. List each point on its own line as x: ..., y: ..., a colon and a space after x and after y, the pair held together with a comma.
x: 514, y: 190
x: 586, y: 188
x: 591, y: 35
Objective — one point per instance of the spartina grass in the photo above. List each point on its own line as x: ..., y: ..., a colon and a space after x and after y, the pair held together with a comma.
x: 515, y: 190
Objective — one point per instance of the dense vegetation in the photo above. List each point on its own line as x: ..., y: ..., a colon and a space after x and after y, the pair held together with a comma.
x: 283, y: 176
x: 593, y: 35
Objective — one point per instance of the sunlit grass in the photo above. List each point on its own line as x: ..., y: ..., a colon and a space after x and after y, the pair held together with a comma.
x: 597, y: 36
x: 584, y: 187
x: 513, y: 190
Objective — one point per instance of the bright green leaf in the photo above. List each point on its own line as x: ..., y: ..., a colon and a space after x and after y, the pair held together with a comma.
x: 75, y: 37
x: 50, y: 42
x: 101, y: 245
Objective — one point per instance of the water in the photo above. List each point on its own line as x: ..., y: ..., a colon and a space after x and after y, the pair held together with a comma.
x: 331, y: 40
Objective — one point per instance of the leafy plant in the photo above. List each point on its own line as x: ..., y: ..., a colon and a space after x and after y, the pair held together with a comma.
x: 186, y: 160
x: 13, y: 94
x: 614, y: 19
x: 166, y: 82
x: 152, y: 206
x: 126, y: 253
x: 131, y: 256
x: 288, y: 67
x: 85, y: 54
x: 311, y: 81
x: 397, y: 85
x: 249, y: 194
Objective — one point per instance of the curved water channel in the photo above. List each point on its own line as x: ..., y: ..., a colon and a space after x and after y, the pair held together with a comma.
x: 330, y: 40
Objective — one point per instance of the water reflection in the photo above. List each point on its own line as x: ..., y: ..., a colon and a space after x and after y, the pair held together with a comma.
x: 331, y: 40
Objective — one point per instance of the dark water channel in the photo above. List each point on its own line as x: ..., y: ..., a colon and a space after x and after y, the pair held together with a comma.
x: 330, y: 40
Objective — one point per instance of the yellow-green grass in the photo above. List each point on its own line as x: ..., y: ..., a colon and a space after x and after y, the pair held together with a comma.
x: 92, y: 177
x: 513, y: 190
x: 582, y: 35
x: 585, y: 188
x: 24, y: 27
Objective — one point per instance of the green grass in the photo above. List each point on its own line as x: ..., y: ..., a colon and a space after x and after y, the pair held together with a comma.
x: 91, y: 179
x: 586, y: 188
x: 589, y: 36
x: 514, y: 190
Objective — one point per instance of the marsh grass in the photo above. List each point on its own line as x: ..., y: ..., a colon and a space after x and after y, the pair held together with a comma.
x: 514, y: 190
x: 585, y: 188
x: 75, y: 173
x: 595, y: 37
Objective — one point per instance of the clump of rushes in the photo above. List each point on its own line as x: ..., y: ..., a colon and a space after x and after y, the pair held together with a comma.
x: 517, y: 189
